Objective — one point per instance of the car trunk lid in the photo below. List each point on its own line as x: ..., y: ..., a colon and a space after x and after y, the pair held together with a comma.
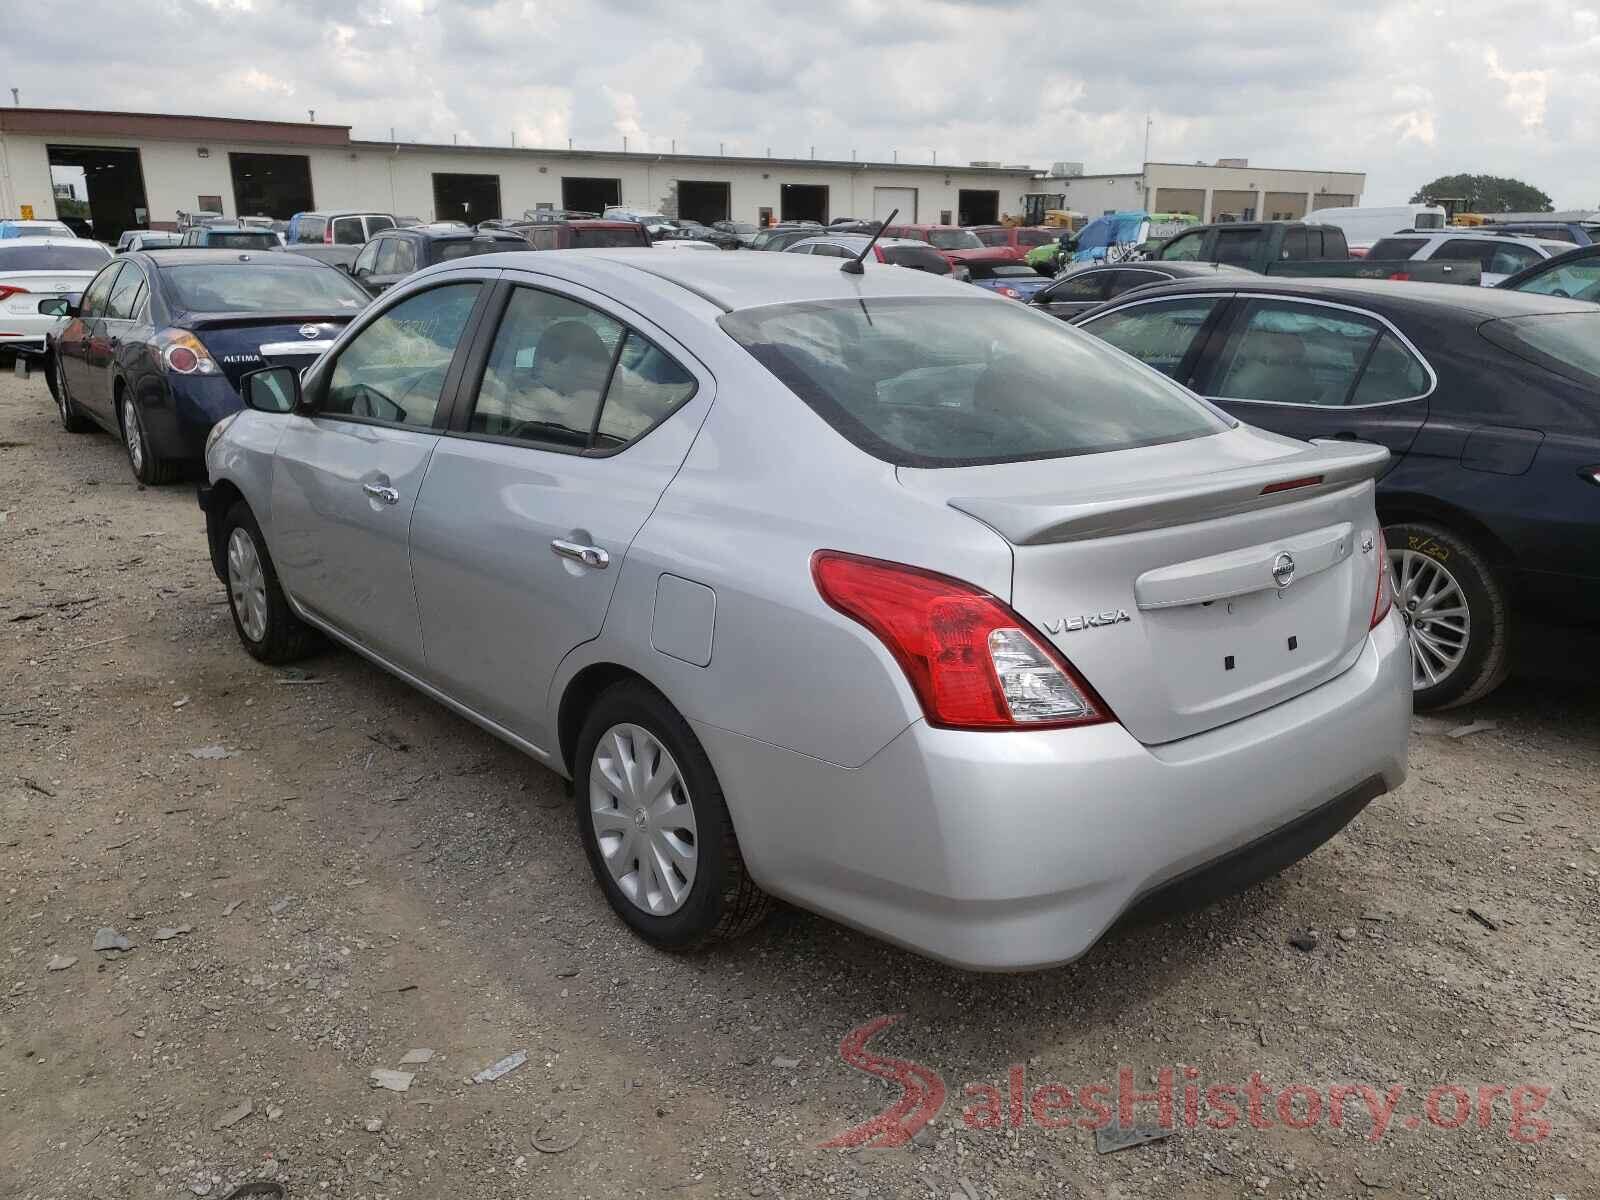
x: 1233, y: 573
x: 245, y: 342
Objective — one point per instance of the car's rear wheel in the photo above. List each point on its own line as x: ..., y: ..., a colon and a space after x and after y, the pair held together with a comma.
x: 71, y: 419
x: 655, y: 825
x: 1455, y: 613
x: 261, y: 614
x: 148, y: 467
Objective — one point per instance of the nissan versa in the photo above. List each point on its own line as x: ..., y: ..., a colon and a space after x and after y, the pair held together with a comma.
x: 873, y: 592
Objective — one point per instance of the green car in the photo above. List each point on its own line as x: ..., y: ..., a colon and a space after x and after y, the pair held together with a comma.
x: 1044, y: 259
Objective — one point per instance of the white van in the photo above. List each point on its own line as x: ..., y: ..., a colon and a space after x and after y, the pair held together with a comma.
x: 1364, y: 226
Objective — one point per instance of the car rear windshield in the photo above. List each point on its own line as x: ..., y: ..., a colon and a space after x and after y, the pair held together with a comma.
x: 1036, y: 237
x: 599, y: 238
x: 936, y: 382
x: 918, y: 258
x: 90, y: 256
x: 454, y: 248
x: 237, y: 287
x: 954, y: 239
x: 1004, y: 271
x: 1566, y: 343
x: 241, y: 240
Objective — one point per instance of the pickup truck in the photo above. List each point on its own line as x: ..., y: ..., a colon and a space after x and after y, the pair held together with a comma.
x: 1298, y: 249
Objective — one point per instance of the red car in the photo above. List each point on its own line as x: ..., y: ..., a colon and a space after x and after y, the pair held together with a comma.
x: 1019, y: 239
x: 593, y: 234
x: 960, y: 247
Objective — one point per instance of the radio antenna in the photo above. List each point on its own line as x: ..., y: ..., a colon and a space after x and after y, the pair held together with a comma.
x: 852, y: 266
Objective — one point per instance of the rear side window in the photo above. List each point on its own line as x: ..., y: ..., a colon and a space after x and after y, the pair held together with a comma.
x: 1185, y: 247
x: 394, y: 369
x: 645, y: 389
x: 931, y: 382
x: 917, y: 258
x: 1396, y: 247
x: 310, y: 229
x: 1160, y: 334
x: 1296, y: 354
x: 1566, y: 343
x: 1392, y: 373
x: 1296, y: 245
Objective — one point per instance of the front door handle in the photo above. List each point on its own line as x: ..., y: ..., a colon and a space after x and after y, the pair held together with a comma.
x: 379, y: 491
x: 589, y: 556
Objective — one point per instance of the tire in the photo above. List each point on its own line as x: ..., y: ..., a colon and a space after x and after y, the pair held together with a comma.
x: 720, y: 901
x: 71, y: 419
x: 148, y: 467
x: 1426, y: 557
x: 262, y: 618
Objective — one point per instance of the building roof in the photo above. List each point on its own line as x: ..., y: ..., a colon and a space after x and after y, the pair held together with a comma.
x: 190, y: 127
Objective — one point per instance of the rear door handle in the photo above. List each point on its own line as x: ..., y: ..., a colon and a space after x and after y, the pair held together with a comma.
x: 589, y: 556
x: 379, y: 491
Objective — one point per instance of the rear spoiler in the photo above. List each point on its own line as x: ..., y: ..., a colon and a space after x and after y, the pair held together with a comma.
x: 1322, y: 467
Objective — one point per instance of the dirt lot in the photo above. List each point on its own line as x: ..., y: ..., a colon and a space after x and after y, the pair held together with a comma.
x: 361, y: 874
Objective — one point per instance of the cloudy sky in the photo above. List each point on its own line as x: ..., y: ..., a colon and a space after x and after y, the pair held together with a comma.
x: 1404, y: 91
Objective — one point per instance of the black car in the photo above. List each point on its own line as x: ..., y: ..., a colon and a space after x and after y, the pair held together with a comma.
x: 230, y: 237
x: 1079, y: 291
x: 1574, y: 275
x: 155, y: 350
x: 1488, y: 400
x: 395, y: 253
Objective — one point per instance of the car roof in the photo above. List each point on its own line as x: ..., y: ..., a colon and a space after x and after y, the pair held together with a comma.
x: 31, y: 221
x: 52, y: 241
x: 861, y: 239
x: 342, y: 212
x: 1178, y: 267
x: 728, y: 281
x: 1433, y: 299
x: 1480, y: 231
x: 177, y: 256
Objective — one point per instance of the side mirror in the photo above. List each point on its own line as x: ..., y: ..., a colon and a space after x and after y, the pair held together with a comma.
x: 271, y: 389
x: 57, y: 306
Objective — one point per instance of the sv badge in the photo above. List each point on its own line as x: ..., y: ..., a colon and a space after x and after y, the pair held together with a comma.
x: 1091, y: 621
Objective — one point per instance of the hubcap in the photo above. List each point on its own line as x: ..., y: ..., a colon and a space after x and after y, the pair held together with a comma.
x: 247, y: 585
x: 643, y: 819
x: 130, y: 431
x: 1434, y: 609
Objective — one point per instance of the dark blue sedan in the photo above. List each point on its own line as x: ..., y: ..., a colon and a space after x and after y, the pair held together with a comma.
x: 154, y: 351
x: 1489, y: 403
x: 1015, y: 281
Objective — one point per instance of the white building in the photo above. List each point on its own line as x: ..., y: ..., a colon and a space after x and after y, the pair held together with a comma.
x: 1229, y: 188
x: 142, y: 169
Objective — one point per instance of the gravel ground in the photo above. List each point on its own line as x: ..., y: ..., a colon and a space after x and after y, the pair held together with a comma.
x: 321, y: 871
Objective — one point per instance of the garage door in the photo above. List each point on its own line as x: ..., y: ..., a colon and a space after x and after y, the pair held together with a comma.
x: 886, y: 199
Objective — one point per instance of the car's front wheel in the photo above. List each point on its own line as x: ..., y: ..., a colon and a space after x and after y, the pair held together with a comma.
x: 261, y: 614
x: 656, y: 827
x: 149, y: 468
x: 1455, y: 612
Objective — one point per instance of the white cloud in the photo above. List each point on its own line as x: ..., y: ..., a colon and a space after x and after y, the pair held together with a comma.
x: 1385, y: 86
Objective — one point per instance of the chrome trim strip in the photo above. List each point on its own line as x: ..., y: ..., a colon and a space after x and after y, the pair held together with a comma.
x: 280, y: 348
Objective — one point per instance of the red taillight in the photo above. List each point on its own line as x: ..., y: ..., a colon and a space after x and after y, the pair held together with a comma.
x: 1400, y: 277
x: 7, y: 291
x: 1009, y: 293
x: 1384, y: 600
x: 182, y: 359
x: 1288, y: 485
x: 327, y: 234
x: 973, y: 663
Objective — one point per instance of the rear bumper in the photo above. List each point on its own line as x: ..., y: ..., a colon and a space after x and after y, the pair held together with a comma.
x: 22, y: 343
x: 1019, y: 850
x: 180, y: 415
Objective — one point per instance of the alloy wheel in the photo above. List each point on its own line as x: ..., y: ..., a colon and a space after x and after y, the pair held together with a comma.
x: 644, y: 819
x: 130, y: 433
x: 1438, y: 622
x: 247, y: 584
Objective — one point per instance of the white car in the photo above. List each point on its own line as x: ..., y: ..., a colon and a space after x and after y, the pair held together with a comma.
x: 34, y: 229
x: 681, y: 244
x: 33, y: 270
x: 1498, y: 254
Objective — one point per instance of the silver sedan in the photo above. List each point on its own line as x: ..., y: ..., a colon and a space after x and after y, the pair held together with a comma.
x: 868, y: 591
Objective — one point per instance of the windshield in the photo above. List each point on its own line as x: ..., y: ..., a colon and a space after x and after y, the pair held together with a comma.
x: 241, y: 287
x: 937, y: 382
x: 1579, y: 281
x: 89, y: 256
x: 954, y: 239
x: 599, y: 238
x: 241, y: 240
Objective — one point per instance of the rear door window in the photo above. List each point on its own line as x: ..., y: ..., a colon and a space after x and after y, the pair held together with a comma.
x: 1292, y: 353
x: 934, y: 382
x: 1396, y: 247
x: 347, y: 231
x: 124, y: 299
x: 1509, y: 258
x: 94, y: 297
x: 1296, y: 244
x: 1236, y: 247
x: 1185, y: 247
x: 1392, y: 373
x: 1478, y: 250
x: 1160, y: 334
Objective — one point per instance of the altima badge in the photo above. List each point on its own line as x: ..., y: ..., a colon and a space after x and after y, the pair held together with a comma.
x: 1091, y: 621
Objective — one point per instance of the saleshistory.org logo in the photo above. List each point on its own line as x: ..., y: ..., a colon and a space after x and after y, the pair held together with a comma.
x: 1177, y: 1099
